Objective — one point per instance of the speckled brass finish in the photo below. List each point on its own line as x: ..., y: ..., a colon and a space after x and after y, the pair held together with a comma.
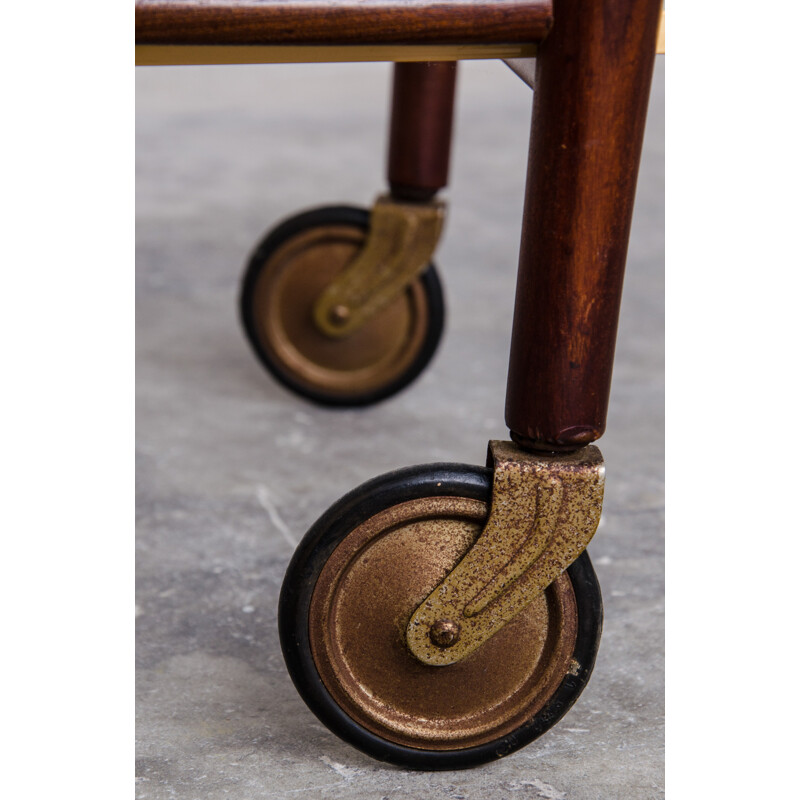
x: 545, y: 510
x: 287, y: 288
x: 398, y: 248
x: 362, y: 602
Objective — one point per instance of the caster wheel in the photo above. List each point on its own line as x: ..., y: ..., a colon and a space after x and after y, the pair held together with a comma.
x: 350, y: 590
x: 288, y: 272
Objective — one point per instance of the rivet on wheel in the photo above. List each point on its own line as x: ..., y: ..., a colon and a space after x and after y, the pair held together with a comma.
x: 339, y: 314
x: 444, y: 632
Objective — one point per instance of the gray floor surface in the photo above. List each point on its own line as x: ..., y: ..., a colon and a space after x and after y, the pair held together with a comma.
x: 232, y: 469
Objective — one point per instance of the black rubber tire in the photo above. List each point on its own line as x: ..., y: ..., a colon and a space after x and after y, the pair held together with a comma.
x: 453, y: 480
x: 293, y: 226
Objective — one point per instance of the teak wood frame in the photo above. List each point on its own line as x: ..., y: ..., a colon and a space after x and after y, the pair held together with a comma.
x: 594, y: 63
x: 591, y: 89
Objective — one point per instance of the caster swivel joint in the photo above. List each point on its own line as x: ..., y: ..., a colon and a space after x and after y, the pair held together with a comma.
x: 544, y: 511
x: 401, y: 241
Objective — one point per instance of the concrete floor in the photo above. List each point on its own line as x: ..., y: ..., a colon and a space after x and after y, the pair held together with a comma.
x: 232, y: 469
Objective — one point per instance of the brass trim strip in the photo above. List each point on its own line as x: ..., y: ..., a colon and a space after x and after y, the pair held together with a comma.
x: 660, y: 45
x: 150, y: 55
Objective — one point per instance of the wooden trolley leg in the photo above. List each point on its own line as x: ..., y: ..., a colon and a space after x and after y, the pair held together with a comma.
x: 421, y: 129
x: 591, y: 89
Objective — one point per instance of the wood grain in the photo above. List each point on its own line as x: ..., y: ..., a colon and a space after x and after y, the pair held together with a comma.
x: 311, y: 22
x: 591, y: 90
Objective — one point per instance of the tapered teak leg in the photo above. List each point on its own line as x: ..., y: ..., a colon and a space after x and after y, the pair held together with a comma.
x: 592, y: 83
x: 421, y: 129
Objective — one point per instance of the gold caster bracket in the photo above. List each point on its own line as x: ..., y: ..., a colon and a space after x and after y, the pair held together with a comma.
x: 545, y: 510
x: 401, y: 241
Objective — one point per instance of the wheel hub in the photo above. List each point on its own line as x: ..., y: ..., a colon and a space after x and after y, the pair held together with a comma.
x: 363, y: 601
x: 286, y: 292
